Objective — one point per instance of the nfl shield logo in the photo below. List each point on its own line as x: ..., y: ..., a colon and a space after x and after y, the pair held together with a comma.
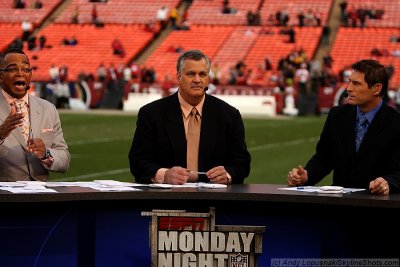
x: 239, y: 261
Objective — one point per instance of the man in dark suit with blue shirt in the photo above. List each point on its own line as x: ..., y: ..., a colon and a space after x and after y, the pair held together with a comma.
x: 159, y: 151
x: 360, y: 140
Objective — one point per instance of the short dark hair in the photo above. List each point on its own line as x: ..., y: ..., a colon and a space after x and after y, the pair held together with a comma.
x: 374, y: 73
x: 11, y: 51
x: 193, y: 55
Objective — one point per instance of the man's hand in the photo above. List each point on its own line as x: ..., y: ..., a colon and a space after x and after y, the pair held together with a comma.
x: 13, y: 120
x: 297, y: 176
x: 176, y: 175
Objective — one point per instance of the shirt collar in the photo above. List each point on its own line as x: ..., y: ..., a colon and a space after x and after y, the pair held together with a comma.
x: 370, y: 114
x: 187, y: 108
x: 10, y: 99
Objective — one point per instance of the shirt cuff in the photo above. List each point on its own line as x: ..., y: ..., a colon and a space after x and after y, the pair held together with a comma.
x: 229, y: 178
x: 160, y: 176
x: 48, y: 162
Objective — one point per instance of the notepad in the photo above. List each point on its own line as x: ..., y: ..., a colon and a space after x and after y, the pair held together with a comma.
x: 163, y: 186
x: 328, y: 189
x: 213, y: 186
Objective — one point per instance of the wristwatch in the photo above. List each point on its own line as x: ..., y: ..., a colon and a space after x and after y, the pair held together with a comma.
x: 46, y: 154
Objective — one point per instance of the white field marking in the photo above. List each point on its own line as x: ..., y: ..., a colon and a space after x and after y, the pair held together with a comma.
x: 288, y: 143
x: 118, y: 171
x: 97, y: 140
x: 92, y: 175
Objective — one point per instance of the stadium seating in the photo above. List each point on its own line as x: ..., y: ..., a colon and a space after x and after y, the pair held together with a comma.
x: 9, y: 14
x: 117, y: 11
x: 94, y: 47
x: 9, y: 31
x: 353, y: 44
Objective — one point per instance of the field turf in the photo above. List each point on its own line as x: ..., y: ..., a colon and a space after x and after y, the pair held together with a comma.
x: 99, y: 144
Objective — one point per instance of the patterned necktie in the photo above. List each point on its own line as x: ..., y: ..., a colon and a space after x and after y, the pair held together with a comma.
x: 362, y: 127
x: 193, y: 140
x: 22, y: 107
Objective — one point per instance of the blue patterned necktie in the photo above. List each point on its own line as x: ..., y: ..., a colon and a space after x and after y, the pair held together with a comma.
x: 362, y: 127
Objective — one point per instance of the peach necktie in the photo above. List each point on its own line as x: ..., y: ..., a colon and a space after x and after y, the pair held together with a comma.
x: 22, y: 107
x: 193, y: 140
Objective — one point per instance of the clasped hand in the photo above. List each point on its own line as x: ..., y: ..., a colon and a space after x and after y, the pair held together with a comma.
x: 179, y: 175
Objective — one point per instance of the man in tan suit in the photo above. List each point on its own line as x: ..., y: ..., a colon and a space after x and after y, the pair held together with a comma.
x: 31, y: 138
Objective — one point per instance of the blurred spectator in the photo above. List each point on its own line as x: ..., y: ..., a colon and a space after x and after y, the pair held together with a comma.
x: 32, y: 43
x: 54, y: 73
x: 326, y: 31
x: 215, y: 74
x: 95, y: 17
x: 75, y: 15
x: 94, y: 14
x: 42, y: 41
x: 150, y: 26
x: 291, y: 32
x: 226, y: 8
x: 173, y: 17
x: 162, y: 17
x: 17, y: 43
x: 27, y: 28
x: 101, y: 72
x: 166, y: 84
x: 38, y: 4
x: 71, y: 41
x: 19, y: 4
x: 183, y: 25
x: 63, y: 73
x: 117, y: 47
x: 267, y: 63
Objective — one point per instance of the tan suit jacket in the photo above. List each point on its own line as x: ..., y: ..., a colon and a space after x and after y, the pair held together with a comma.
x: 15, y: 163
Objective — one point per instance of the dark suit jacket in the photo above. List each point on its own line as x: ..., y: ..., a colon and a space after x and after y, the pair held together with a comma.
x: 378, y: 155
x: 160, y: 140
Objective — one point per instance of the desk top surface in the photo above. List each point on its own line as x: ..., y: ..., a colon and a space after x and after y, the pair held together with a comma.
x: 242, y: 193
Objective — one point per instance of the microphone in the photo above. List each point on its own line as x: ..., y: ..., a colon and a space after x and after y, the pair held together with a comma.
x: 345, y: 94
x: 27, y: 87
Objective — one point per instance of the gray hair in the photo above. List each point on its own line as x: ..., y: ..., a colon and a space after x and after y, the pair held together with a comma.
x: 193, y: 55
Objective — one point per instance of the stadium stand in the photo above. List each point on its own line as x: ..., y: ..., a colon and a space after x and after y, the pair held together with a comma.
x: 9, y: 32
x: 226, y: 37
x: 9, y: 14
x: 116, y: 11
x: 94, y: 47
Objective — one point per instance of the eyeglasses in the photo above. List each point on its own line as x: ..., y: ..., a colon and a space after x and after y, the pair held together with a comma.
x: 16, y: 69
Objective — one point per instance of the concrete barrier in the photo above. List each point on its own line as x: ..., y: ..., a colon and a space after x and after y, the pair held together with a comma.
x: 248, y: 105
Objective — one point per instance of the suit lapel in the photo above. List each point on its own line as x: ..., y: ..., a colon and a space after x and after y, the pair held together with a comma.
x: 175, y: 128
x: 377, y: 125
x: 35, y: 111
x: 350, y: 122
x: 4, y: 108
x: 4, y: 112
x: 209, y: 132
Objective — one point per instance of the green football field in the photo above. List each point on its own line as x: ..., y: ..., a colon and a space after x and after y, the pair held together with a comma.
x: 99, y: 145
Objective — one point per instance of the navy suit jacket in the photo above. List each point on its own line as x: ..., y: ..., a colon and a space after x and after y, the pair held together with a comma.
x: 160, y: 141
x: 378, y: 155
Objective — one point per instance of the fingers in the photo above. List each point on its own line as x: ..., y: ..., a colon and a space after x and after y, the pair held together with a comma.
x: 297, y: 176
x: 36, y: 146
x: 379, y: 186
x: 218, y: 175
x: 176, y: 175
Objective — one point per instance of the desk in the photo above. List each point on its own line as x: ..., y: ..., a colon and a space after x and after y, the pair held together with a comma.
x: 85, y: 227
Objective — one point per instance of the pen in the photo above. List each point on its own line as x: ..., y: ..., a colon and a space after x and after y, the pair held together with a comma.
x: 195, y: 172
